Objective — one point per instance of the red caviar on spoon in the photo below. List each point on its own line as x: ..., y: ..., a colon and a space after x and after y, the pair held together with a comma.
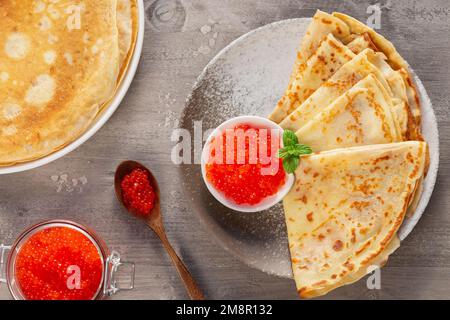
x: 138, y: 193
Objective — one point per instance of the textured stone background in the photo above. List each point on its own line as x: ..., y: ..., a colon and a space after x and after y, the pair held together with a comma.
x: 181, y: 37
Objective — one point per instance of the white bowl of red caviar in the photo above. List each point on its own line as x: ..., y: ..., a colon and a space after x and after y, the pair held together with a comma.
x: 248, y: 177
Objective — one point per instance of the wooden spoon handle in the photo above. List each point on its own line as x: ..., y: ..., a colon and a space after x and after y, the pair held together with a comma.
x: 193, y: 290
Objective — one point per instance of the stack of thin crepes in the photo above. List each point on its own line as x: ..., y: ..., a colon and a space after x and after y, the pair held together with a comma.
x: 352, y: 100
x: 61, y: 63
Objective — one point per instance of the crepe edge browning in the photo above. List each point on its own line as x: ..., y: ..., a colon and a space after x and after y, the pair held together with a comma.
x: 98, y: 108
x: 391, y: 242
x: 330, y: 56
x: 351, y: 32
x: 379, y: 261
x: 134, y: 24
x: 322, y: 132
x: 414, y: 118
x: 406, y: 109
x: 394, y: 58
x: 344, y: 79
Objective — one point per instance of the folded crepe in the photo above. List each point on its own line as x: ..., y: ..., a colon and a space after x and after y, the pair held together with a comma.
x: 408, y: 103
x: 399, y: 89
x: 322, y: 25
x: 413, y: 104
x: 357, y: 37
x: 345, y: 209
x: 345, y: 78
x: 328, y: 58
x: 361, y: 116
x: 358, y: 28
x: 361, y: 42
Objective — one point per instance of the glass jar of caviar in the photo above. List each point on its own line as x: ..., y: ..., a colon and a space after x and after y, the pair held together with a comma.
x: 62, y: 260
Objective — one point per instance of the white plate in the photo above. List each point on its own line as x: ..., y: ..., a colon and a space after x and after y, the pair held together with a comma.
x: 248, y: 77
x: 105, y: 114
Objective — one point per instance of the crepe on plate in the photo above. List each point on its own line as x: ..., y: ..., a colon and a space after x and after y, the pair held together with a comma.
x: 361, y: 116
x: 331, y: 54
x: 323, y: 24
x: 366, y: 63
x: 357, y: 37
x: 58, y: 68
x: 351, y: 196
x: 401, y: 84
x: 345, y: 209
x: 344, y: 79
x: 397, y: 63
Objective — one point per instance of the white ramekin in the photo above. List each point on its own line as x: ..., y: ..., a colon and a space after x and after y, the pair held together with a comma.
x: 266, y: 203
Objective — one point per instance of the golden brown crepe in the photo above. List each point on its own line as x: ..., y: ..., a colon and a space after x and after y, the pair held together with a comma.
x: 399, y: 94
x: 358, y: 28
x: 408, y: 104
x: 345, y: 209
x: 361, y: 116
x: 58, y: 67
x: 413, y: 105
x: 350, y: 197
x: 127, y: 25
x: 345, y: 78
x: 322, y: 25
x: 357, y: 37
x: 360, y: 43
x: 393, y: 58
x: 329, y: 57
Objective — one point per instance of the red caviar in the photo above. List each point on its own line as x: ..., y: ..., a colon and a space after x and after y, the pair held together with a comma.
x: 246, y: 182
x: 47, y: 259
x: 137, y: 191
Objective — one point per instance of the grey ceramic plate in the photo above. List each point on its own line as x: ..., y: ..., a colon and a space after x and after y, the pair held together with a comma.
x: 247, y: 78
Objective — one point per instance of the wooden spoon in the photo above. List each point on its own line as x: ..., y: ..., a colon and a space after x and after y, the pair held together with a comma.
x: 154, y: 222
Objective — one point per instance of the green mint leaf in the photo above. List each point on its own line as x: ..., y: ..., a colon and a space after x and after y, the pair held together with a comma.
x: 282, y: 153
x: 292, y: 151
x: 289, y: 138
x: 296, y: 150
x: 290, y: 164
x: 303, y: 149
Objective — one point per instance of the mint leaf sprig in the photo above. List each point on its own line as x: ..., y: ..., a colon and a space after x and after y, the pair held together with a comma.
x: 292, y: 151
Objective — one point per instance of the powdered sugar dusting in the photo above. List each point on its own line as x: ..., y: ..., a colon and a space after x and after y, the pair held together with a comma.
x: 171, y: 118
